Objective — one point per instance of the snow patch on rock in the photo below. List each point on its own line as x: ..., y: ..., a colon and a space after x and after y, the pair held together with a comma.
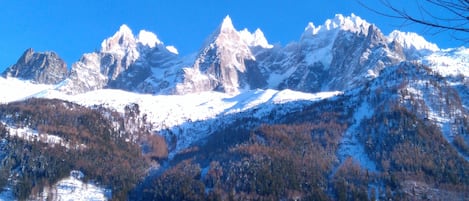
x: 148, y: 39
x: 172, y: 49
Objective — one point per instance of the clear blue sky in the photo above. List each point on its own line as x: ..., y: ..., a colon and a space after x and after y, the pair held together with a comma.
x: 74, y: 27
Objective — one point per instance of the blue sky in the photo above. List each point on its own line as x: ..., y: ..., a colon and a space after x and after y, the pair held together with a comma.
x: 71, y: 27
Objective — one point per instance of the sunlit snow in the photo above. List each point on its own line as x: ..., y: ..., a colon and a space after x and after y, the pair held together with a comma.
x: 13, y: 89
x: 73, y: 188
x: 255, y: 39
x: 410, y: 40
x: 449, y: 62
x: 148, y: 38
x: 166, y: 111
x: 172, y: 49
x: 33, y: 135
x: 174, y: 111
x: 350, y: 23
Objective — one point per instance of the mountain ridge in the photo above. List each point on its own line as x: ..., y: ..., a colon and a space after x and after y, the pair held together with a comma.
x: 40, y: 67
x: 136, y: 63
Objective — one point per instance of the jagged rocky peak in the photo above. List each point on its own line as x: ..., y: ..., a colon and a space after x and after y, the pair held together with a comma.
x: 122, y: 39
x: 39, y: 67
x: 227, y: 33
x: 125, y: 40
x: 350, y: 23
x: 256, y: 39
x: 124, y: 61
x: 227, y: 25
x: 317, y: 42
x: 375, y: 36
x: 340, y: 54
x: 221, y: 64
x: 118, y: 53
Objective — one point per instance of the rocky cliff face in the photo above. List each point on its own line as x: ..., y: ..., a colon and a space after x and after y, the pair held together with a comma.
x: 39, y: 67
x: 118, y: 54
x: 226, y: 62
x: 155, y: 72
x: 94, y: 70
x: 338, y: 55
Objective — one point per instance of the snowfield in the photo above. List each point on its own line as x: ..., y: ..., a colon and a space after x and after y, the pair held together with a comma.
x: 13, y: 89
x: 188, y: 116
x: 166, y: 111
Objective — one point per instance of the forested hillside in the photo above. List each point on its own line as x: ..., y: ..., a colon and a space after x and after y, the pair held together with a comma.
x: 104, y: 145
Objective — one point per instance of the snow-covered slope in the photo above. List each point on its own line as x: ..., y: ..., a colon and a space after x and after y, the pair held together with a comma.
x: 449, y: 62
x: 13, y: 89
x: 412, y: 40
x: 188, y: 115
x: 174, y: 112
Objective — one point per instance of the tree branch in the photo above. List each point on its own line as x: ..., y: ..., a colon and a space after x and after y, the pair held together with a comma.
x: 458, y: 10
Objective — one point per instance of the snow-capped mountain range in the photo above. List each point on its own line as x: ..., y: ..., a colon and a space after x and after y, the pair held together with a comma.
x: 344, y: 48
x: 342, y: 54
x: 238, y: 74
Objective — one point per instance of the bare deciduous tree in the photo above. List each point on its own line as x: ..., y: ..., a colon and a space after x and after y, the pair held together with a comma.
x: 442, y: 15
